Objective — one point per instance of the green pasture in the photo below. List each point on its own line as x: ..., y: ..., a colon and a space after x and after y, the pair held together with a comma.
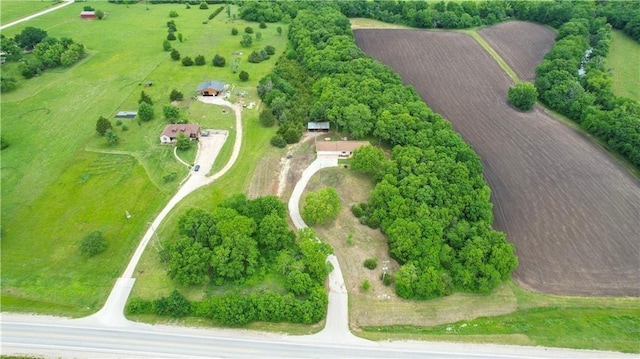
x: 151, y: 275
x: 623, y: 61
x: 60, y: 180
x: 11, y: 10
x: 611, y: 324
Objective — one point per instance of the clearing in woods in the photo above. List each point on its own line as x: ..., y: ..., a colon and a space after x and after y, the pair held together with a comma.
x: 568, y: 207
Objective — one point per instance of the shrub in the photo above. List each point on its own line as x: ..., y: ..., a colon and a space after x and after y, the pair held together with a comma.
x: 171, y: 36
x: 125, y: 128
x: 93, y: 244
x: 270, y: 50
x: 99, y: 14
x: 386, y: 278
x: 255, y: 57
x: 187, y: 61
x: 234, y: 31
x: 278, y: 141
x: 292, y: 135
x: 263, y: 25
x: 7, y: 83
x: 203, y: 6
x: 145, y: 98
x: 175, y: 305
x: 258, y: 35
x: 371, y: 263
x: 176, y: 95
x: 200, y: 60
x: 248, y: 30
x: 365, y: 285
x: 173, y: 13
x: 180, y: 36
x: 357, y: 210
x: 219, y: 61
x: 244, y: 76
x: 267, y: 119
x: 4, y: 143
x: 246, y: 40
x: 139, y: 306
x: 118, y: 122
x: 523, y: 96
x: 166, y: 45
x: 102, y: 126
x: 175, y: 55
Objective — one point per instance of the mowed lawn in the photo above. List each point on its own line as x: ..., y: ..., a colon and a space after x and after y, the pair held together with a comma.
x: 623, y: 61
x: 11, y: 10
x: 61, y: 181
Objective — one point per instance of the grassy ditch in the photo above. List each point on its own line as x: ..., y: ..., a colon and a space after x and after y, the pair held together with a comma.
x: 624, y: 70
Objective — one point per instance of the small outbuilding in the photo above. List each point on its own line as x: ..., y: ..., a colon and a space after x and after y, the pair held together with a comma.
x: 171, y: 132
x: 211, y: 88
x: 126, y: 114
x: 88, y: 15
x: 343, y: 149
x: 319, y: 126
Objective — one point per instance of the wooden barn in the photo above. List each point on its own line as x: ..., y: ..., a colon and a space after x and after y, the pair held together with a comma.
x: 211, y: 88
x: 88, y: 15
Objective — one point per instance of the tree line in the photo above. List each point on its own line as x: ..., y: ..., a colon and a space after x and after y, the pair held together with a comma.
x: 430, y: 198
x: 570, y: 81
x: 47, y: 52
x: 243, y: 241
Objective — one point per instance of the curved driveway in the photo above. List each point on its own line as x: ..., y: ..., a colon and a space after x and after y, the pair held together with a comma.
x: 112, y: 313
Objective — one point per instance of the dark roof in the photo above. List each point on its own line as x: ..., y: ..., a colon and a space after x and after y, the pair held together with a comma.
x: 216, y: 85
x: 318, y: 125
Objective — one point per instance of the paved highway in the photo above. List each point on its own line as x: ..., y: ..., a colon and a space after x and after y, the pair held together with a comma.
x: 77, y: 338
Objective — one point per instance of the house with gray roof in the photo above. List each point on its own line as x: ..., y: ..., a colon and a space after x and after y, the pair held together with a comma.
x: 211, y: 88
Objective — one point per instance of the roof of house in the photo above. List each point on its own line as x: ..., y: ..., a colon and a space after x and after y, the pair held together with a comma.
x: 340, y: 146
x: 318, y: 125
x: 87, y: 13
x: 173, y: 130
x: 216, y: 85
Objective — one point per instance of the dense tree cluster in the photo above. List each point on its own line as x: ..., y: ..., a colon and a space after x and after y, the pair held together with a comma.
x: 244, y: 239
x: 623, y: 15
x: 430, y: 199
x: 573, y: 80
x: 48, y: 52
x: 523, y: 96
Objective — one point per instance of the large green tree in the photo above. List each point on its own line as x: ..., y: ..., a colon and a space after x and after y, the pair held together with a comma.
x: 523, y: 96
x: 321, y: 207
x: 103, y: 125
x: 145, y: 111
x: 189, y: 261
x: 30, y: 36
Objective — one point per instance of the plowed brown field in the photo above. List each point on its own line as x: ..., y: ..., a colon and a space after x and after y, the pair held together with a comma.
x: 521, y: 44
x: 572, y: 212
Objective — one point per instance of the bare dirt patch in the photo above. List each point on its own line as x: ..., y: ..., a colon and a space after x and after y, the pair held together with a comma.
x: 521, y: 44
x: 570, y: 209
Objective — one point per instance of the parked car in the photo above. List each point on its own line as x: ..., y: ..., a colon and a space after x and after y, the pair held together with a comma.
x: 196, y: 168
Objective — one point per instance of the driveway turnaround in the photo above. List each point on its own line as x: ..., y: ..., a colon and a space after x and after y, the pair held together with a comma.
x: 112, y: 313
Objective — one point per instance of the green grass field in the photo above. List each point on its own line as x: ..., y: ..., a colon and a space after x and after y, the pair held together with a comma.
x: 11, y: 10
x: 60, y: 180
x: 623, y: 61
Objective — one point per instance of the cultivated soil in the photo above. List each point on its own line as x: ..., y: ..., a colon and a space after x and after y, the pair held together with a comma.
x: 521, y: 44
x: 570, y: 209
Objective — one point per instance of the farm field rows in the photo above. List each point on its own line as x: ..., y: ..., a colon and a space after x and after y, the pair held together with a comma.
x: 533, y: 42
x: 50, y: 122
x: 568, y: 207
